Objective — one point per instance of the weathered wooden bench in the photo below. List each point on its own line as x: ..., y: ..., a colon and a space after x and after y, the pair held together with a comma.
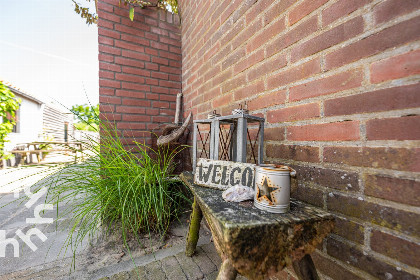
x: 255, y: 243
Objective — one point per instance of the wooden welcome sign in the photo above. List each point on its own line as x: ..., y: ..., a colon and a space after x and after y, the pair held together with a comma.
x: 222, y: 175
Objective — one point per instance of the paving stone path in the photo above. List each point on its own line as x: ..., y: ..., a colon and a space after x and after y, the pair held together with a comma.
x: 158, y: 260
x: 164, y: 259
x: 203, y: 265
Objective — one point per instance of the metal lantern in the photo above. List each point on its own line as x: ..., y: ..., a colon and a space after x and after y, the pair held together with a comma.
x: 230, y: 145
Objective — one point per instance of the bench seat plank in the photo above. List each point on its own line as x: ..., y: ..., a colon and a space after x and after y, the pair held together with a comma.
x: 257, y: 243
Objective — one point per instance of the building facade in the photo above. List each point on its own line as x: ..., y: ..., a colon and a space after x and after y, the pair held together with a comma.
x: 337, y: 82
x: 38, y: 121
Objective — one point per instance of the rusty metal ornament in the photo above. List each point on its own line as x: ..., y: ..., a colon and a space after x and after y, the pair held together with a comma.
x: 272, y: 188
x: 213, y: 115
x: 265, y: 190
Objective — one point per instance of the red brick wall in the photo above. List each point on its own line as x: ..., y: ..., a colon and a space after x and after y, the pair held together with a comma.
x: 140, y: 67
x: 338, y: 84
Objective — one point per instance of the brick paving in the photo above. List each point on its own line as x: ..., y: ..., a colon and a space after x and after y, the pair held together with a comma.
x: 165, y: 260
x: 203, y: 265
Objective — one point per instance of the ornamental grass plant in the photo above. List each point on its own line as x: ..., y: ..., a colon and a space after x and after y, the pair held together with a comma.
x: 118, y: 189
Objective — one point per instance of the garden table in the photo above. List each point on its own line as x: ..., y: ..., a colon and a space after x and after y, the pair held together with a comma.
x: 255, y: 243
x: 73, y: 147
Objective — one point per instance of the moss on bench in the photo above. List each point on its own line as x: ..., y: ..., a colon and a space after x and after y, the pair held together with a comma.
x: 257, y: 243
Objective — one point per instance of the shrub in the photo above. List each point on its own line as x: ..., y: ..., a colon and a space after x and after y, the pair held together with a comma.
x: 9, y: 104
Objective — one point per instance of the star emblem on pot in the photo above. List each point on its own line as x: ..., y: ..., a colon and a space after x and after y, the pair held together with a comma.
x: 264, y: 192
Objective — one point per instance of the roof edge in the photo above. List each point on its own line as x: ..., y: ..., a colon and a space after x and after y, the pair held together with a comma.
x: 18, y: 92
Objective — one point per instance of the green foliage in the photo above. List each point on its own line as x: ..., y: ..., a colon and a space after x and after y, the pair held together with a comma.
x: 46, y: 138
x: 84, y: 126
x: 170, y: 5
x: 84, y: 12
x: 131, y: 13
x: 173, y: 4
x: 126, y: 191
x: 92, y: 17
x: 8, y: 106
x: 86, y: 117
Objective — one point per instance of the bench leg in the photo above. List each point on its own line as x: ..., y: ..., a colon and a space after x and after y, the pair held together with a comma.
x: 305, y: 269
x: 192, y: 237
x: 227, y: 271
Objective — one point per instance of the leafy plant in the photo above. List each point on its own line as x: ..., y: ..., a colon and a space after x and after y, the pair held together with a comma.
x: 46, y: 147
x: 9, y: 104
x: 84, y: 12
x: 92, y: 17
x: 171, y: 5
x: 127, y: 190
x: 87, y: 117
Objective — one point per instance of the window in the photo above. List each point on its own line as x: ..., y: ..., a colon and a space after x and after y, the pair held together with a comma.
x: 16, y: 127
x: 66, y: 131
